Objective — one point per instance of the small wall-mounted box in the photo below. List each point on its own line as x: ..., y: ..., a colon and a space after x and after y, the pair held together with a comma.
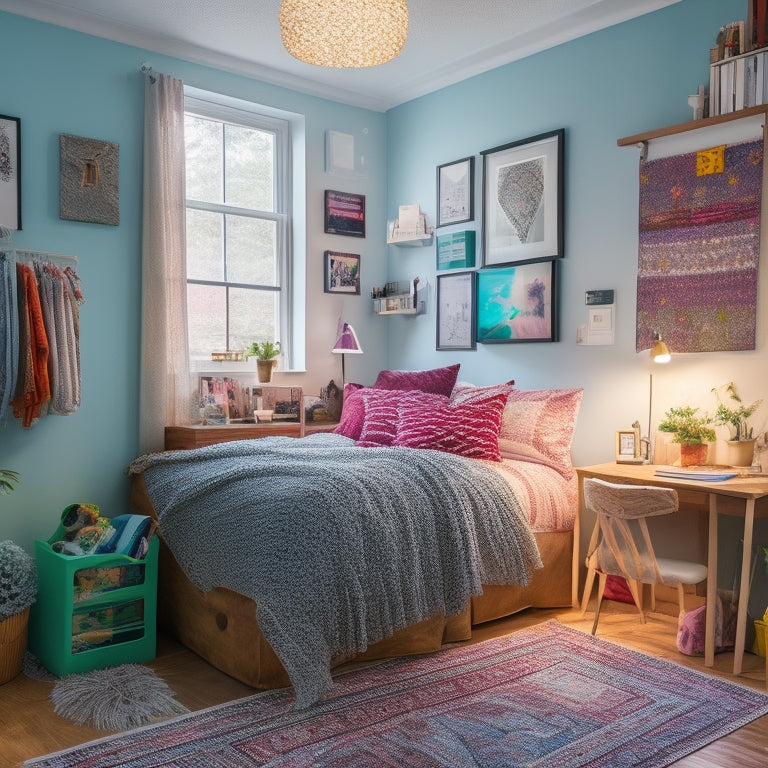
x: 456, y: 250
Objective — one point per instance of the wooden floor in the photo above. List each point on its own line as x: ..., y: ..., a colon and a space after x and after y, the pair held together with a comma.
x: 29, y: 727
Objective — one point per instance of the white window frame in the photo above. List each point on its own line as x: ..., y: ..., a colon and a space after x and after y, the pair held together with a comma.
x: 236, y: 111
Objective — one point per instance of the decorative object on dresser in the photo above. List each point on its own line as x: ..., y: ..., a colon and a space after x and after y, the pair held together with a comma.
x: 266, y: 353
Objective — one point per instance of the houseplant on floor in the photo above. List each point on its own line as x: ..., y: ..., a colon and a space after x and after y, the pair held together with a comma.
x: 265, y: 353
x: 692, y: 431
x: 734, y: 414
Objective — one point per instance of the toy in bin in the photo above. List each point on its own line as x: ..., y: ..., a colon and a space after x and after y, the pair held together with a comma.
x: 83, y: 531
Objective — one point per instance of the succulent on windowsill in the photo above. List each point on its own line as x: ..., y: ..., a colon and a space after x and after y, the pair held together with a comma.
x: 18, y: 580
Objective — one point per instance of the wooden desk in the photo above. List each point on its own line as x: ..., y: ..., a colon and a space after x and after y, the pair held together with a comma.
x: 741, y: 496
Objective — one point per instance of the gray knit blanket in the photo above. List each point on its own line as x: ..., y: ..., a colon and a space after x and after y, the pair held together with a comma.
x: 339, y: 546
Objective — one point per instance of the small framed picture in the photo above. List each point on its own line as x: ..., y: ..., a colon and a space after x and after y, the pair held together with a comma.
x: 456, y: 310
x: 344, y: 213
x: 523, y: 197
x: 10, y: 172
x: 342, y: 273
x: 456, y: 192
x: 628, y: 449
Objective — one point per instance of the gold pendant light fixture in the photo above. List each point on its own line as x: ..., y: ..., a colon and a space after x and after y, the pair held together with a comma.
x: 344, y: 33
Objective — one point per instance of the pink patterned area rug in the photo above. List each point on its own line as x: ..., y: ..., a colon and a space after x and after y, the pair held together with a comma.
x: 545, y: 696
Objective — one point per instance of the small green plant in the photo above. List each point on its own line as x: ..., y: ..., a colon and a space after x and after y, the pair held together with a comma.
x: 18, y: 580
x: 265, y: 350
x: 687, y: 427
x: 736, y: 415
x: 8, y: 480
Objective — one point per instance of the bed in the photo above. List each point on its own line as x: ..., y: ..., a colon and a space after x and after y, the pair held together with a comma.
x: 449, y: 504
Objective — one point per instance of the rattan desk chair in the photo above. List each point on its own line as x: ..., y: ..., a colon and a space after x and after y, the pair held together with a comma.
x: 621, y: 544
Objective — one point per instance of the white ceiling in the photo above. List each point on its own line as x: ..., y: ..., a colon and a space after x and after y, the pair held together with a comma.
x: 448, y: 40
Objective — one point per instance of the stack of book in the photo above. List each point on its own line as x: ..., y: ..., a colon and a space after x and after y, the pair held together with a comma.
x: 738, y: 82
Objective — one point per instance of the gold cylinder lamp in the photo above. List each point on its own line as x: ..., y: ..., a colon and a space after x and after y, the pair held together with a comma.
x: 344, y: 33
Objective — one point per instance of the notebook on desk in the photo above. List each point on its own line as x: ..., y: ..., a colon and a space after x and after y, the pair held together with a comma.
x: 710, y: 475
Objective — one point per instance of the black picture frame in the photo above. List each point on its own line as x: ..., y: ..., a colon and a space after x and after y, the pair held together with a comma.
x: 518, y: 303
x: 456, y: 314
x: 456, y: 192
x: 341, y: 273
x: 523, y: 200
x: 10, y: 172
x: 344, y: 213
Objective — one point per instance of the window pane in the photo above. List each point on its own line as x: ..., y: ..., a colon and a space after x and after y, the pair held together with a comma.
x: 205, y: 245
x: 205, y: 162
x: 206, y: 310
x: 252, y: 317
x: 249, y: 164
x: 251, y: 251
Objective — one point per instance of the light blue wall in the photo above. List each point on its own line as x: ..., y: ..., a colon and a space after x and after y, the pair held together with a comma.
x: 66, y: 82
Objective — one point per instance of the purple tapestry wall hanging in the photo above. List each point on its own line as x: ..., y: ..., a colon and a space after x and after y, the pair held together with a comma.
x: 699, y: 249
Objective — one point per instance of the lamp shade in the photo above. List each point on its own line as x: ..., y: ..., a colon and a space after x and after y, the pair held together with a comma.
x: 344, y: 33
x: 660, y: 351
x: 346, y: 341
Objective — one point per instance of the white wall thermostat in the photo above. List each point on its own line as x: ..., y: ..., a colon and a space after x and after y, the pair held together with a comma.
x: 599, y: 328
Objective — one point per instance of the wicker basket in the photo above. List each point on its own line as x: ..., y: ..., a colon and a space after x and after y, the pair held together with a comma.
x: 13, y: 644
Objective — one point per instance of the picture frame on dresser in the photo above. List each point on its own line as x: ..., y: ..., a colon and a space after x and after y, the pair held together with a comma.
x: 523, y: 200
x: 10, y: 172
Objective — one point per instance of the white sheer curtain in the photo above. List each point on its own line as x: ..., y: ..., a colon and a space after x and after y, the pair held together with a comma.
x: 165, y: 379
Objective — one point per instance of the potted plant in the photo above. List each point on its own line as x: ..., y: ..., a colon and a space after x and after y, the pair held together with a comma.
x: 18, y: 589
x: 734, y: 414
x: 691, y: 431
x: 265, y: 353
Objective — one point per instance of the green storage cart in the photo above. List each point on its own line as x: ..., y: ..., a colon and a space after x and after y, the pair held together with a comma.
x: 93, y: 611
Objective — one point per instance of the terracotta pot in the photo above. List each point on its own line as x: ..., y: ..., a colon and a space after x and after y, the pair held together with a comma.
x: 13, y: 644
x: 741, y: 452
x: 265, y: 368
x: 693, y: 455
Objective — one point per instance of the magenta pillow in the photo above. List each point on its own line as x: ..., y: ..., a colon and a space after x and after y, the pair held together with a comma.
x: 538, y: 426
x: 464, y: 392
x: 438, y: 381
x: 385, y: 407
x: 467, y: 429
x: 352, y: 412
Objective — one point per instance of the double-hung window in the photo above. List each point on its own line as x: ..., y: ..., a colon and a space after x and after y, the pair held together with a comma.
x: 237, y: 229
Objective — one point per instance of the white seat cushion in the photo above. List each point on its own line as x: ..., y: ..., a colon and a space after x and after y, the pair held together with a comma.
x: 681, y: 571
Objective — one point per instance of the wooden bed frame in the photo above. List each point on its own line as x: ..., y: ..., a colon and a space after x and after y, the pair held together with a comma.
x: 221, y: 625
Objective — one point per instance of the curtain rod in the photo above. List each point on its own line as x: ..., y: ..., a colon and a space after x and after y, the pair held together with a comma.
x: 147, y: 71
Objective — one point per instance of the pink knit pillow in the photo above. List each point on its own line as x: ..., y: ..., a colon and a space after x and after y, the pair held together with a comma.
x: 385, y: 407
x: 464, y: 392
x: 438, y: 381
x: 468, y: 429
x: 538, y: 426
x: 352, y: 412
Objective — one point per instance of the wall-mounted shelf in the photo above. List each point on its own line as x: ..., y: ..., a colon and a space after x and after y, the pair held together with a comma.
x: 692, y: 125
x: 411, y: 242
x: 402, y: 298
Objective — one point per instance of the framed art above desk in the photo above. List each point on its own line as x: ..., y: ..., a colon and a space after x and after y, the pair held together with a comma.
x: 743, y: 497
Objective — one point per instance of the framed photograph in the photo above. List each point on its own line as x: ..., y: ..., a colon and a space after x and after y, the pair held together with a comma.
x: 10, y: 172
x: 89, y: 180
x: 523, y: 200
x: 628, y: 448
x: 517, y: 304
x: 456, y: 310
x: 342, y: 272
x: 344, y: 213
x: 456, y: 192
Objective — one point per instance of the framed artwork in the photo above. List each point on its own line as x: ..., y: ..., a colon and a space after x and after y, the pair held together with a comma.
x: 628, y: 447
x: 456, y: 250
x: 10, y: 172
x: 342, y: 272
x: 344, y: 213
x: 456, y: 192
x: 456, y: 310
x: 523, y: 200
x: 517, y: 304
x: 89, y: 180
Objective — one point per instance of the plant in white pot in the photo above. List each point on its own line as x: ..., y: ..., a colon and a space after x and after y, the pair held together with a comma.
x: 735, y: 415
x: 692, y: 431
x: 266, y: 353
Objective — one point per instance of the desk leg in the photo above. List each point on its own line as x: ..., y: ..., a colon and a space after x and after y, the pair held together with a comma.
x: 741, y: 617
x: 709, y: 636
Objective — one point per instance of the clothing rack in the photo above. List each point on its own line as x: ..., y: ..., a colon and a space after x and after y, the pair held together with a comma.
x: 25, y: 255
